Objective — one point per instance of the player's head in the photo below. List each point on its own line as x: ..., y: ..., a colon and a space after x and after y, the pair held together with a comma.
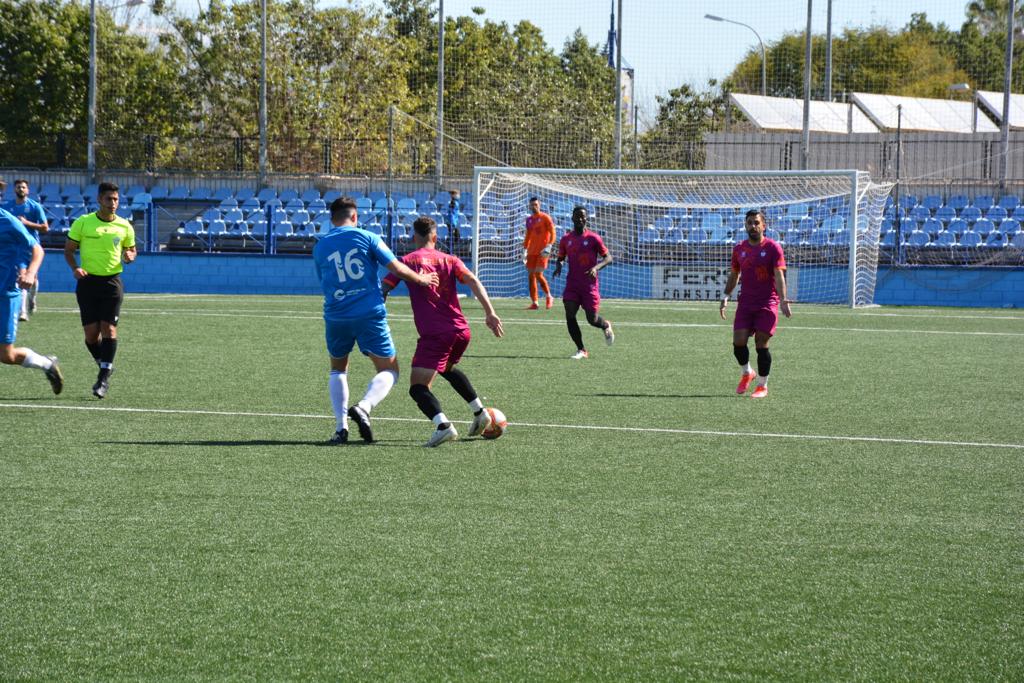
x: 424, y: 231
x: 580, y: 217
x: 756, y: 223
x: 343, y: 211
x: 3, y: 186
x: 109, y: 196
x: 20, y: 188
x: 534, y: 205
x: 454, y: 194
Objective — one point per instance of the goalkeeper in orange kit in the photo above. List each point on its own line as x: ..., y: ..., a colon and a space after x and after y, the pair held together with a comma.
x: 537, y: 244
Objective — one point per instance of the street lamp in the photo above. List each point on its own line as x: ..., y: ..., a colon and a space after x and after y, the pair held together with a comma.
x: 91, y: 151
x: 764, y: 76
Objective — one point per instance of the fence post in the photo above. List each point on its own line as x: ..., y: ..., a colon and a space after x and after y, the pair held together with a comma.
x: 239, y: 156
x: 62, y: 150
x: 150, y: 145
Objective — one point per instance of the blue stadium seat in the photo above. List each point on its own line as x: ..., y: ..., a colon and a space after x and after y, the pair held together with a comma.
x: 909, y: 201
x: 834, y: 223
x: 996, y: 213
x: 255, y: 215
x: 995, y: 240
x: 406, y: 206
x: 958, y: 226
x: 266, y: 194
x: 222, y: 193
x: 711, y: 221
x: 889, y: 239
x: 250, y: 204
x: 673, y: 236
x: 945, y: 213
x: 920, y: 214
x: 931, y: 202
x: 376, y: 195
x: 258, y: 228
x: 664, y: 223
x: 245, y: 194
x: 818, y: 237
x: 217, y: 227
x: 234, y: 216
x: 142, y: 201
x: 195, y: 227
x: 124, y: 211
x: 317, y: 205
x: 158, y: 192
x: 287, y: 195
x: 427, y: 207
x: 441, y: 197
x: 983, y: 227
x: 374, y: 227
x: 201, y: 193
x: 69, y: 190
x: 299, y: 217
x: 279, y: 216
x: 970, y: 213
x: 488, y: 232
x: 983, y: 202
x: 272, y: 204
x: 649, y: 235
x: 1017, y: 239
x: 76, y: 211
x: 381, y: 205
x: 1018, y: 214
x: 283, y: 228
x: 294, y: 204
x: 1009, y: 226
x: 311, y: 195
x: 50, y: 192
x: 945, y: 239
x: 958, y: 202
x: 73, y: 199
x: 364, y: 205
x: 932, y: 226
x: 331, y: 195
x: 1009, y: 202
x: 210, y: 215
x: 918, y: 238
x: 179, y: 192
x: 970, y: 239
x: 228, y: 203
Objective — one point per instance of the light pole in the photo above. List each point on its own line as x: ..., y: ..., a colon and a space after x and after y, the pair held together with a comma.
x: 764, y: 74
x: 91, y: 147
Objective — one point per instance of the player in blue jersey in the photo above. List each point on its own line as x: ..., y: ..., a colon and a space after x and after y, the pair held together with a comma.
x: 346, y: 261
x: 32, y: 216
x: 18, y: 248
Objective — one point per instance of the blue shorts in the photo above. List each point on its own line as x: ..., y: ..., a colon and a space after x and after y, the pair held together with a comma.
x: 10, y: 308
x: 372, y: 334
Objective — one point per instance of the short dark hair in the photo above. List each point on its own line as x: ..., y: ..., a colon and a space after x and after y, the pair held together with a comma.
x: 20, y: 180
x: 105, y: 188
x: 533, y: 199
x: 343, y: 208
x: 424, y: 225
x: 756, y: 212
x: 581, y: 208
x: 454, y: 193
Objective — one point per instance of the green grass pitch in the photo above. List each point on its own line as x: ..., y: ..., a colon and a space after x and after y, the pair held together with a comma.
x: 631, y: 525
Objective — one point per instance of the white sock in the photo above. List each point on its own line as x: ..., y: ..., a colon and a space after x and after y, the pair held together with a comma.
x: 747, y: 370
x: 24, y: 302
x: 439, y: 419
x: 35, y: 361
x: 379, y: 387
x: 339, y: 399
x: 476, y: 405
x: 762, y: 381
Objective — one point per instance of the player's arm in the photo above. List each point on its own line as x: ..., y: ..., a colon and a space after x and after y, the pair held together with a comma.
x: 27, y: 276
x: 477, y: 287
x: 406, y: 273
x: 780, y: 287
x: 730, y: 284
x: 550, y: 241
x: 70, y: 247
x: 389, y: 283
x: 605, y: 261
x: 129, y: 254
x: 42, y: 227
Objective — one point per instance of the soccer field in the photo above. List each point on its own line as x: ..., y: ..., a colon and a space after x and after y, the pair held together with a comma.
x: 638, y: 521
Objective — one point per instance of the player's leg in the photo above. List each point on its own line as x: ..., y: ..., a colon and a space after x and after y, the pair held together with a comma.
x: 340, y: 340
x: 90, y: 316
x: 572, y: 308
x: 532, y: 278
x: 463, y: 387
x: 764, y: 362
x: 592, y: 309
x: 742, y: 328
x: 23, y: 298
x: 374, y: 337
x: 10, y: 309
x: 33, y: 294
x: 420, y: 381
x: 109, y: 296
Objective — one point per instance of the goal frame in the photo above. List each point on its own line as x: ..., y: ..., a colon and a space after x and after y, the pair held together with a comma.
x: 851, y: 174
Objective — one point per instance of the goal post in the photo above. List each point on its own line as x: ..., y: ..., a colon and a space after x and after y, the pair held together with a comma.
x: 671, y: 233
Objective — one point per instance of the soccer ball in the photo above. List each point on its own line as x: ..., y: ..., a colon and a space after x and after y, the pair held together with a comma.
x: 498, y: 424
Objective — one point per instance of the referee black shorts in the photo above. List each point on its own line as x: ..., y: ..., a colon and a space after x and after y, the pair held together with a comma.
x: 99, y: 298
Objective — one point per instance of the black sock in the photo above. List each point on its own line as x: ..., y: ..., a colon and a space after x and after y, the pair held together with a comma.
x: 94, y: 349
x: 574, y: 332
x: 764, y: 362
x: 457, y: 378
x: 742, y: 354
x: 425, y: 399
x: 108, y: 349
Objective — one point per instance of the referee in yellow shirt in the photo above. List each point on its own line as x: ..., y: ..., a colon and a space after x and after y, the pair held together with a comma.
x: 105, y: 240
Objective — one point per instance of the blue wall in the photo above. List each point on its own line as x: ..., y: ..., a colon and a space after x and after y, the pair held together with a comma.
x: 260, y: 274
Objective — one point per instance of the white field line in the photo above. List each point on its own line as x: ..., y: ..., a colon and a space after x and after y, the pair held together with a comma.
x: 560, y: 323
x: 535, y: 425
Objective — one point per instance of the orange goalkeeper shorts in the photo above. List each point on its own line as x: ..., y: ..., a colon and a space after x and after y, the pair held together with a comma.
x: 536, y: 262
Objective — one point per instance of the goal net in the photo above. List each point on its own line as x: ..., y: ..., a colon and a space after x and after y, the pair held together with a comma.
x: 671, y: 233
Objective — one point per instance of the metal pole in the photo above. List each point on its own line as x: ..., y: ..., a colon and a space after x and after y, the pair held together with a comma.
x: 806, y: 142
x: 828, y: 54
x: 1007, y: 84
x: 391, y: 158
x: 91, y: 152
x: 439, y: 136
x: 764, y: 61
x: 263, y: 94
x: 618, y: 92
x: 899, y: 156
x: 636, y: 131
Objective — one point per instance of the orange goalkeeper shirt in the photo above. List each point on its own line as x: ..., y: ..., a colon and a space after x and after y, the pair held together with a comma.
x: 540, y: 232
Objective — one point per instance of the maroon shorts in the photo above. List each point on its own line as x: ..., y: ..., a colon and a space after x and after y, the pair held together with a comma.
x: 587, y: 296
x: 759, y: 318
x: 440, y: 351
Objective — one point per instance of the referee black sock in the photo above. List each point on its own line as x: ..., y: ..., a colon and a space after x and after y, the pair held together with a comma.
x: 94, y: 349
x: 461, y: 384
x: 764, y: 362
x: 742, y: 354
x: 425, y: 399
x: 108, y: 349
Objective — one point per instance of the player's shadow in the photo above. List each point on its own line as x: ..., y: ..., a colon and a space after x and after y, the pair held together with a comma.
x: 501, y: 357
x: 263, y: 442
x: 660, y: 396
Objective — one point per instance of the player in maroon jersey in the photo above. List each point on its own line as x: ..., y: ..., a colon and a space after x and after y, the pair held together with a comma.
x: 586, y: 254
